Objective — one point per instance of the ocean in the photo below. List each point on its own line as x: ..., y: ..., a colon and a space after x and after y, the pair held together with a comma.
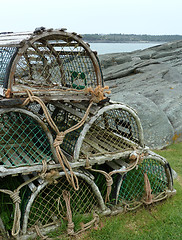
x: 104, y: 48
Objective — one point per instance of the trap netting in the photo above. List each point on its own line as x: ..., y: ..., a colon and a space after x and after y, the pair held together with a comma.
x: 47, y: 208
x: 24, y: 139
x: 55, y: 63
x: 7, y: 209
x: 6, y: 56
x: 109, y: 128
x: 149, y: 182
x: 47, y: 59
x: 146, y: 180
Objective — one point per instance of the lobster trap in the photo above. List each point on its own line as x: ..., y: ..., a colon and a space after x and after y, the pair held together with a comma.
x: 44, y: 207
x: 24, y: 139
x: 46, y: 61
x: 110, y: 131
x: 64, y: 143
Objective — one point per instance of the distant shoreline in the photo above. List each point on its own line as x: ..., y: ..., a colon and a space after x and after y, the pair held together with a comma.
x: 123, y: 42
x: 129, y: 38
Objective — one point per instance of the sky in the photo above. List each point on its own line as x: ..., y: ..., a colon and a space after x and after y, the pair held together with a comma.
x: 154, y: 17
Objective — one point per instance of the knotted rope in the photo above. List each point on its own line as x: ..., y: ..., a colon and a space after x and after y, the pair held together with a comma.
x: 148, y: 191
x: 66, y: 196
x: 14, y: 195
x: 108, y: 176
x: 17, y: 215
x: 72, y: 178
x: 109, y: 180
x: 70, y: 227
x: 97, y: 94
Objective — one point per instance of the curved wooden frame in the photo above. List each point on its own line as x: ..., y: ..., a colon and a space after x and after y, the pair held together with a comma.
x: 59, y: 34
x: 100, y: 111
x: 40, y: 122
x: 104, y: 210
x: 164, y: 163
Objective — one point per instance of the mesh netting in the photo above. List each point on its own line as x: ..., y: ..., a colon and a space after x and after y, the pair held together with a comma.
x: 132, y: 187
x: 49, y: 205
x: 22, y: 140
x: 6, y: 54
x: 7, y: 206
x: 55, y: 63
x: 100, y: 181
x: 115, y: 130
x: 63, y: 120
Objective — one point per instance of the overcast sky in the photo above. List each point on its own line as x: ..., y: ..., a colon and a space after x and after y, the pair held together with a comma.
x: 155, y: 17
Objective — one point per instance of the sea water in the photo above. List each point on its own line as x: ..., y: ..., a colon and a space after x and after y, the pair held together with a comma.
x: 104, y: 48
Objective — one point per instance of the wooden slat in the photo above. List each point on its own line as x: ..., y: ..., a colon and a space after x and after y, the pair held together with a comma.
x: 26, y: 158
x: 110, y: 136
x: 30, y: 185
x: 113, y: 165
x: 45, y: 95
x: 69, y: 109
x: 95, y: 108
x: 4, y: 159
x: 95, y: 145
x: 113, y: 140
x: 16, y: 160
x: 101, y: 143
x: 86, y: 149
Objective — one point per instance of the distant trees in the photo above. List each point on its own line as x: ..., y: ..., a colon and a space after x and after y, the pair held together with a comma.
x: 130, y: 38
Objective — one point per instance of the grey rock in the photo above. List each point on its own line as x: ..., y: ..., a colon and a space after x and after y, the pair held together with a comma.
x: 157, y: 129
x: 150, y: 80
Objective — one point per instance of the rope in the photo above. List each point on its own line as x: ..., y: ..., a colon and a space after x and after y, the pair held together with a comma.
x: 70, y: 227
x: 108, y: 176
x: 109, y: 180
x: 72, y: 179
x: 14, y: 195
x: 17, y: 215
x: 37, y: 229
x: 148, y: 191
x: 148, y: 198
x: 97, y: 94
x: 85, y: 226
x: 66, y: 196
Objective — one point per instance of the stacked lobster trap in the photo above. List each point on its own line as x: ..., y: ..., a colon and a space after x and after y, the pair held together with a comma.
x: 67, y: 152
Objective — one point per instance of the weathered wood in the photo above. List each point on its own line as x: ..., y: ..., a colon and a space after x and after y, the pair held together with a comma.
x: 57, y: 96
x: 95, y: 146
x: 106, y: 134
x: 106, y: 146
x: 4, y: 159
x: 84, y: 105
x: 69, y: 109
x: 11, y: 102
x: 97, y: 159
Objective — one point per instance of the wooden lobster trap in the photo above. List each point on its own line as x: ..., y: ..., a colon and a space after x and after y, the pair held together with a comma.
x: 59, y: 133
x: 46, y: 62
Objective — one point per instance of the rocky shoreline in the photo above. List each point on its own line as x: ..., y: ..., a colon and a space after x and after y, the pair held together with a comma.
x: 150, y: 81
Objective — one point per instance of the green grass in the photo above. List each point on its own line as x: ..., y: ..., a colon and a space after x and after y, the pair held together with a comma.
x: 161, y: 221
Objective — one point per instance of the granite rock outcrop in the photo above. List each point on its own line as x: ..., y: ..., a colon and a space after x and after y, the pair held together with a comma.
x: 150, y: 81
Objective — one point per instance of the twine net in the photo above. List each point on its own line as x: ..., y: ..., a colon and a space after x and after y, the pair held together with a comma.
x: 132, y: 188
x: 56, y: 62
x: 22, y: 140
x: 6, y: 54
x: 49, y: 206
